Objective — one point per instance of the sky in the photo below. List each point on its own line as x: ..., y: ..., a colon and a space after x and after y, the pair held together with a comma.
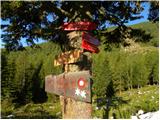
x: 144, y: 19
x: 144, y: 14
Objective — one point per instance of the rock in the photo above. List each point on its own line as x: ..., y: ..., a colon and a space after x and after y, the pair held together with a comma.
x: 10, y: 116
x: 140, y: 112
x: 151, y: 115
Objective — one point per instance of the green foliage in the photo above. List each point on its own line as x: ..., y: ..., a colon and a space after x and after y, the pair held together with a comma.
x: 152, y: 66
x: 154, y: 11
x: 8, y: 69
x: 117, y: 71
x: 7, y: 107
x: 25, y: 71
x: 132, y: 70
x: 101, y: 75
x: 47, y: 17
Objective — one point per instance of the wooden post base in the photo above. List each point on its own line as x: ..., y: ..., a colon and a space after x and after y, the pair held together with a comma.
x: 72, y: 109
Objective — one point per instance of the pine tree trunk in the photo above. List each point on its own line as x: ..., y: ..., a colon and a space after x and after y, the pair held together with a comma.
x: 71, y: 108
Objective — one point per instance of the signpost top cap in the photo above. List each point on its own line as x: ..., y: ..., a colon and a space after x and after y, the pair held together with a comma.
x: 83, y: 25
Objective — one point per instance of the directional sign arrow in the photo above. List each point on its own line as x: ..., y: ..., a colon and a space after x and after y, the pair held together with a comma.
x: 90, y: 47
x: 68, y: 57
x: 75, y: 85
x: 91, y: 39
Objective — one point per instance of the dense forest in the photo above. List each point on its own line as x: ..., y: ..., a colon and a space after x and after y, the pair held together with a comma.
x: 114, y: 71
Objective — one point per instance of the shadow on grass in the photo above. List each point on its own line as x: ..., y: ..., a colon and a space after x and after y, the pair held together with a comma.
x: 141, y: 35
x: 33, y: 111
x: 42, y: 115
x: 115, y: 102
x: 117, y: 37
x: 111, y: 100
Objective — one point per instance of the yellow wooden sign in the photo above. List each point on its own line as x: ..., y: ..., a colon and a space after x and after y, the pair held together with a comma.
x: 68, y: 57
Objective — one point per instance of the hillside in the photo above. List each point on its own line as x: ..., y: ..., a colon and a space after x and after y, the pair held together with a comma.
x: 146, y: 32
x: 151, y: 29
x: 117, y: 75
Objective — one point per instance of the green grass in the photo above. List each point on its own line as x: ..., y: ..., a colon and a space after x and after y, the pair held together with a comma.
x: 123, y: 106
x: 129, y: 102
x: 32, y: 111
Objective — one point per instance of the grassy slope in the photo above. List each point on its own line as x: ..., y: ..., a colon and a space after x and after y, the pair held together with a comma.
x: 146, y: 98
x: 148, y: 28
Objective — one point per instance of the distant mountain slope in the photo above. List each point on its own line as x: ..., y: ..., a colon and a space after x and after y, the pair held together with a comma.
x: 149, y: 29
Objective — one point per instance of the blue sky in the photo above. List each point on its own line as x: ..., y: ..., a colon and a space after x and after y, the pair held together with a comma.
x: 144, y: 19
x: 144, y: 14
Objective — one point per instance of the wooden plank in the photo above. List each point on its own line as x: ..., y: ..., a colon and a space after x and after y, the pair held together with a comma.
x: 55, y: 84
x: 79, y: 26
x: 91, y: 39
x: 68, y: 57
x: 90, y: 47
x: 75, y: 85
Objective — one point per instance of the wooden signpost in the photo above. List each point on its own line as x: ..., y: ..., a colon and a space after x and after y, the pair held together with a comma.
x: 74, y: 85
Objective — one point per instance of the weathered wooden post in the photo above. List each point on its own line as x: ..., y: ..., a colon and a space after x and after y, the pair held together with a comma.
x: 74, y: 84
